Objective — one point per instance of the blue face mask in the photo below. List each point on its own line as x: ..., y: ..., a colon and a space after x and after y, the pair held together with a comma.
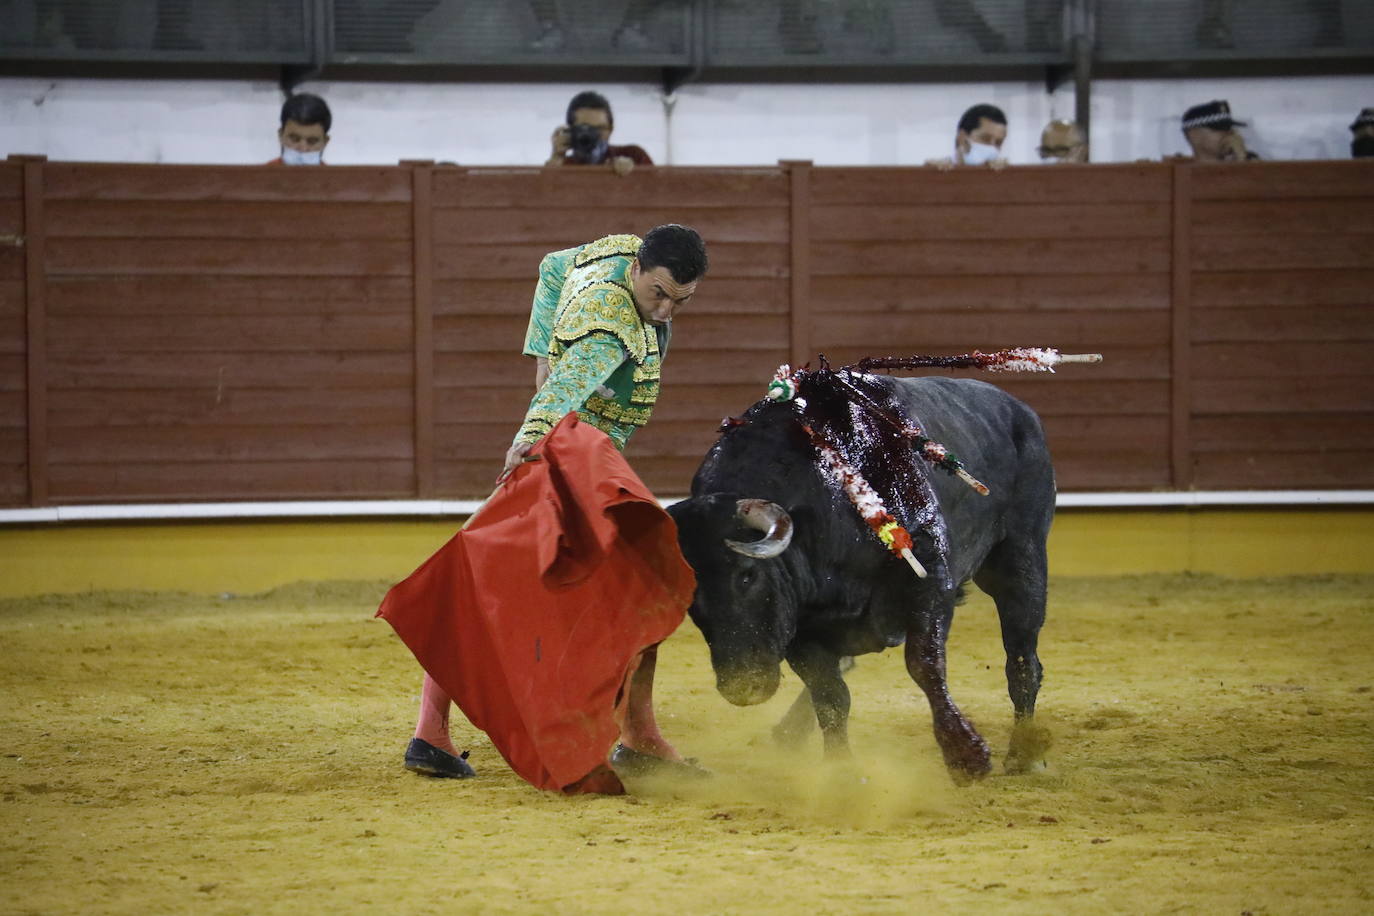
x: 291, y: 156
x: 981, y: 154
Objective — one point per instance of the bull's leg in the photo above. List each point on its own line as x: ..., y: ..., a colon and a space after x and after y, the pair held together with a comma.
x: 1015, y: 576
x: 797, y: 722
x: 819, y: 670
x: 640, y: 730
x: 800, y: 717
x: 965, y: 751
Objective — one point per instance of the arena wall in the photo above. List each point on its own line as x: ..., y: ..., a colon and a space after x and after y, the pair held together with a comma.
x: 174, y: 333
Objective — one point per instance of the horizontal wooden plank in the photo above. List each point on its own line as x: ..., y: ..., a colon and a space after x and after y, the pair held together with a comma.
x: 1294, y: 216
x: 1289, y: 469
x: 11, y: 264
x: 13, y: 372
x: 1101, y: 448
x: 147, y: 408
x: 118, y: 181
x: 211, y: 333
x: 507, y: 296
x: 13, y: 409
x: 1314, y: 431
x: 13, y: 333
x: 268, y: 258
x: 221, y: 373
x: 114, y: 445
x: 1124, y: 472
x: 511, y: 261
x: 226, y: 219
x: 1347, y: 179
x: 1286, y: 360
x: 1281, y: 252
x: 11, y: 217
x: 953, y: 329
x: 12, y: 297
x: 11, y: 181
x: 937, y: 222
x: 995, y: 291
x: 917, y: 187
x: 1325, y: 323
x: 539, y: 188
x: 221, y: 480
x: 1300, y: 288
x: 563, y: 227
x: 1273, y: 399
x: 211, y: 294
x: 990, y: 257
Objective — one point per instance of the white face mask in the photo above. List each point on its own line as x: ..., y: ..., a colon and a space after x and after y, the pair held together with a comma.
x: 980, y: 154
x: 291, y: 156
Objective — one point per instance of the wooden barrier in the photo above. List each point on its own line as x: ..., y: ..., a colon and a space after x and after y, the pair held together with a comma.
x: 190, y: 332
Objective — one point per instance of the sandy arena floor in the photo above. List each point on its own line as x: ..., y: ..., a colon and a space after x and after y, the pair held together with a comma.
x: 1214, y: 753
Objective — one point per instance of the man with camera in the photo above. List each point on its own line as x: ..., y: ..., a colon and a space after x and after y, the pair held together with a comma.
x: 585, y: 138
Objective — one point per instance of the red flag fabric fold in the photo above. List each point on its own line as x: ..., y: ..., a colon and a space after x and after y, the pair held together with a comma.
x: 532, y: 615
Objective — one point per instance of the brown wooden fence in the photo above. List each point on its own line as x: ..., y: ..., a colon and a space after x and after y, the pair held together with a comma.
x: 192, y: 332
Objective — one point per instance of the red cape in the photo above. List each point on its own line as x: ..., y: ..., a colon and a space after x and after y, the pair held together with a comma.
x: 531, y: 616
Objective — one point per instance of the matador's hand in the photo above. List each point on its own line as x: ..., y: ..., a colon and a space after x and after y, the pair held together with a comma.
x: 515, y: 455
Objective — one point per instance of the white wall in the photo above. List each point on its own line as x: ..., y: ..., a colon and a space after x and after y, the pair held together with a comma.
x: 710, y: 124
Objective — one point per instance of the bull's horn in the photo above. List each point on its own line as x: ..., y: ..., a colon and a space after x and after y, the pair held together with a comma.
x: 767, y: 517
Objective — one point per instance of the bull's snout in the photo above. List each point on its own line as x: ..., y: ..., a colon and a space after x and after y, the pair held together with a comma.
x: 748, y: 686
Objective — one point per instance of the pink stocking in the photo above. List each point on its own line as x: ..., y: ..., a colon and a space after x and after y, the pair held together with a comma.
x: 640, y: 731
x: 433, y: 723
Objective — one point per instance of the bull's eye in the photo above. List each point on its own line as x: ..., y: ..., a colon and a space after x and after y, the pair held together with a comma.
x: 746, y: 577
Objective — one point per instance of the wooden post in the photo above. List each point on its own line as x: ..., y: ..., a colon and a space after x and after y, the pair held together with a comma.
x: 1180, y: 301
x: 799, y: 311
x: 422, y: 280
x: 36, y: 334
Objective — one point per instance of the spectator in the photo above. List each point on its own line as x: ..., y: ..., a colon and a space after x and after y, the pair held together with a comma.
x: 1211, y: 133
x: 1063, y: 141
x: 585, y: 138
x: 1362, y: 135
x: 978, y: 140
x: 304, y: 131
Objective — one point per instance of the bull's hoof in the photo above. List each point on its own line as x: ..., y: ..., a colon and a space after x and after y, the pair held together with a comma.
x: 970, y: 762
x: 628, y: 762
x: 1029, y: 743
x: 428, y: 760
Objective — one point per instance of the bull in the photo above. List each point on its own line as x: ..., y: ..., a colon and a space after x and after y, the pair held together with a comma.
x: 818, y: 587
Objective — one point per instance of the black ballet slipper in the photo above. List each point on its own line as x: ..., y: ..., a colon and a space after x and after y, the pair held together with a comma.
x: 428, y: 760
x: 629, y: 762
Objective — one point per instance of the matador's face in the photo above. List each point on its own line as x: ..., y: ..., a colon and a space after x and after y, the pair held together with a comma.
x: 657, y: 295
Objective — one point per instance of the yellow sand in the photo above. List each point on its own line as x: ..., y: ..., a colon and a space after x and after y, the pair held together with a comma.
x: 1214, y: 753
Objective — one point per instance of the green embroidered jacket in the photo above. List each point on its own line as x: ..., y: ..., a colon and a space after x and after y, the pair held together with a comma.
x: 604, y: 359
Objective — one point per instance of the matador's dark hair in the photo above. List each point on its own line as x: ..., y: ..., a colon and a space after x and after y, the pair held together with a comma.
x: 678, y: 248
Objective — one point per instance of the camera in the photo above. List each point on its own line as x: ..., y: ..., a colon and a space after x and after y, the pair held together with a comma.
x: 583, y: 139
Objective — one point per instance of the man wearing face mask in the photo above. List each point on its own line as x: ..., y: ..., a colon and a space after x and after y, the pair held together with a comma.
x: 1362, y: 135
x: 585, y: 138
x: 978, y: 139
x: 1062, y: 142
x: 304, y: 131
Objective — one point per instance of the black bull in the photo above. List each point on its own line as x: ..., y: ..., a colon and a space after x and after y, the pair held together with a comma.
x: 834, y: 591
